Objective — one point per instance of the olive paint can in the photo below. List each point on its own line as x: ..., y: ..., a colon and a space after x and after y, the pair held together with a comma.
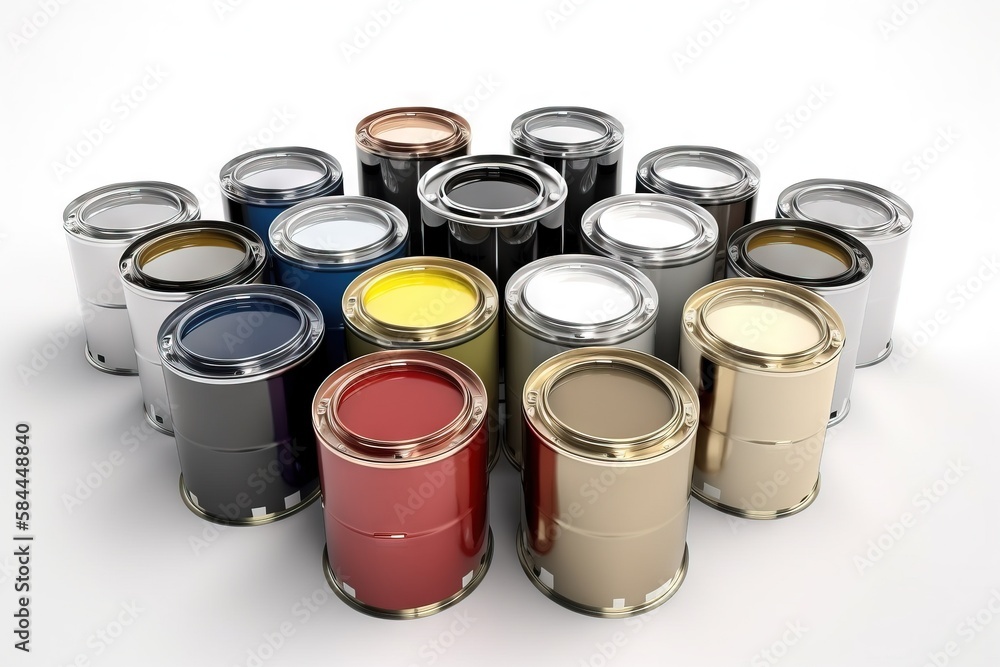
x: 585, y: 146
x: 99, y: 225
x: 879, y: 219
x: 241, y: 366
x: 396, y: 147
x: 258, y: 185
x: 608, y: 450
x: 167, y: 266
x: 722, y: 182
x: 669, y: 239
x: 403, y: 448
x: 495, y: 212
x: 565, y: 302
x: 430, y: 303
x: 763, y: 356
x: 821, y: 258
x: 321, y: 245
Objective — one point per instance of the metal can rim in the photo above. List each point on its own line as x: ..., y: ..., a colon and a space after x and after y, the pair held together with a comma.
x: 382, y: 334
x: 740, y: 190
x: 134, y: 278
x: 702, y: 245
x: 234, y: 188
x: 900, y: 218
x: 75, y: 214
x: 614, y: 134
x: 626, y: 327
x: 367, y: 141
x: 305, y: 342
x: 313, y: 210
x: 552, y: 189
x: 723, y: 353
x: 680, y: 429
x: 860, y: 269
x: 336, y: 437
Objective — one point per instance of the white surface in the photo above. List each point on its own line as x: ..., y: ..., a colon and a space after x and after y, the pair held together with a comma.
x: 212, y: 79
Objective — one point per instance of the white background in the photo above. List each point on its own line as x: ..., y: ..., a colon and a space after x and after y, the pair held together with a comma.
x: 278, y: 73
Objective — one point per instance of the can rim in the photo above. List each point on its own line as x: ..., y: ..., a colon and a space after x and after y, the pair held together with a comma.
x: 432, y: 189
x: 252, y: 263
x: 743, y: 187
x: 625, y: 327
x: 831, y: 327
x: 339, y: 439
x: 897, y: 218
x: 384, y: 334
x: 78, y: 212
x: 315, y: 211
x: 184, y: 361
x: 521, y: 136
x: 741, y: 260
x: 702, y: 244
x: 233, y: 174
x: 366, y: 137
x: 667, y: 438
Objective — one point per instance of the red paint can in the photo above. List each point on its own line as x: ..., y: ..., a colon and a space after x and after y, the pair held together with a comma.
x: 403, y: 449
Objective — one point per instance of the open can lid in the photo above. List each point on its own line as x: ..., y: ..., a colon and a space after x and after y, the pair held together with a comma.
x: 413, y: 132
x: 123, y: 211
x: 703, y: 174
x: 280, y: 176
x: 866, y: 211
x: 566, y: 132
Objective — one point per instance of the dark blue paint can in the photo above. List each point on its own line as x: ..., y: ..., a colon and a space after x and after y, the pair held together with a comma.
x: 321, y: 245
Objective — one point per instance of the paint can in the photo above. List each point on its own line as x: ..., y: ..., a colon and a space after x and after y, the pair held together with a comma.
x: 585, y: 146
x: 723, y: 183
x: 429, y: 303
x: 565, y: 302
x: 669, y: 239
x: 258, y: 185
x: 241, y: 365
x: 763, y: 356
x: 608, y: 449
x: 879, y: 219
x: 396, y: 147
x: 495, y: 212
x: 164, y: 268
x: 321, y: 245
x: 403, y: 453
x: 821, y: 258
x: 99, y: 225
